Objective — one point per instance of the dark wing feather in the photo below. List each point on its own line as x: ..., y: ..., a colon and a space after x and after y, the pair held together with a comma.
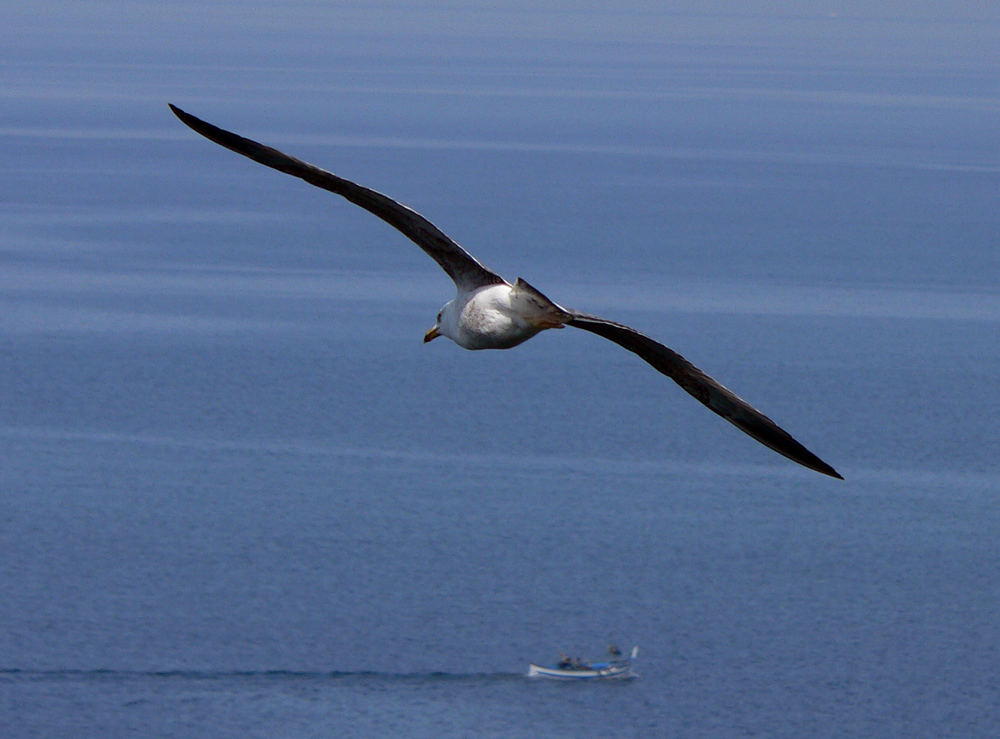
x: 461, y: 266
x: 709, y: 392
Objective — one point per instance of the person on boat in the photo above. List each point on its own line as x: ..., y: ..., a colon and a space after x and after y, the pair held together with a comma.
x: 564, y: 662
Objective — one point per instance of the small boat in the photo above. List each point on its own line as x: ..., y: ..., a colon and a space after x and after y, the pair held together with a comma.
x: 615, y: 668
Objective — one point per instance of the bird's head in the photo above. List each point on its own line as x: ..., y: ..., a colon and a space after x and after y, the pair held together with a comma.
x: 442, y: 324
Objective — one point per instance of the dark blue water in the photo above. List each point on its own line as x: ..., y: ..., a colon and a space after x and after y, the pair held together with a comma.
x: 238, y: 496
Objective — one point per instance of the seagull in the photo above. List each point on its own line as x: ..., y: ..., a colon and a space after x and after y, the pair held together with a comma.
x: 488, y: 312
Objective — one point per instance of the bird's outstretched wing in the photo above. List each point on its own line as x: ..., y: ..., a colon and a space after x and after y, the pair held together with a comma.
x: 461, y: 266
x: 708, y: 391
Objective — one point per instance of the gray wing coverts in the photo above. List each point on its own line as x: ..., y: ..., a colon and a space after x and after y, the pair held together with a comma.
x: 709, y: 392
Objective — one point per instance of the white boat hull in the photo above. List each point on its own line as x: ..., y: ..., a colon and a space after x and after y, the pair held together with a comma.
x: 596, y: 672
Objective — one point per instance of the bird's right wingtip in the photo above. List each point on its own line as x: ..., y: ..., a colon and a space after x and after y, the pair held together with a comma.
x: 828, y: 470
x: 807, y: 459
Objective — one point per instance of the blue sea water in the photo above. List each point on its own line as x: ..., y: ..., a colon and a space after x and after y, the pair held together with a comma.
x: 238, y: 496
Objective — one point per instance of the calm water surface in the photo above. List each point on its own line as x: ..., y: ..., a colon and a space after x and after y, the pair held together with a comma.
x: 240, y: 498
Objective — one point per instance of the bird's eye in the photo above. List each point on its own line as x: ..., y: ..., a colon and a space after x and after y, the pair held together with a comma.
x: 439, y: 317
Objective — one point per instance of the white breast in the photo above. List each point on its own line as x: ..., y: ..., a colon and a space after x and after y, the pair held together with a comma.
x: 490, y: 318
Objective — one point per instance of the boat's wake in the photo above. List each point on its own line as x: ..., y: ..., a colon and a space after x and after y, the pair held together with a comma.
x: 109, y: 675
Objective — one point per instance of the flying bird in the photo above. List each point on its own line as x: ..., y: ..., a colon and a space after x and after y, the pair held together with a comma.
x: 488, y: 312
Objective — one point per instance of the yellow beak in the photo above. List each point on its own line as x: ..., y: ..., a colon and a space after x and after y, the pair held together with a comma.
x: 431, y: 335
